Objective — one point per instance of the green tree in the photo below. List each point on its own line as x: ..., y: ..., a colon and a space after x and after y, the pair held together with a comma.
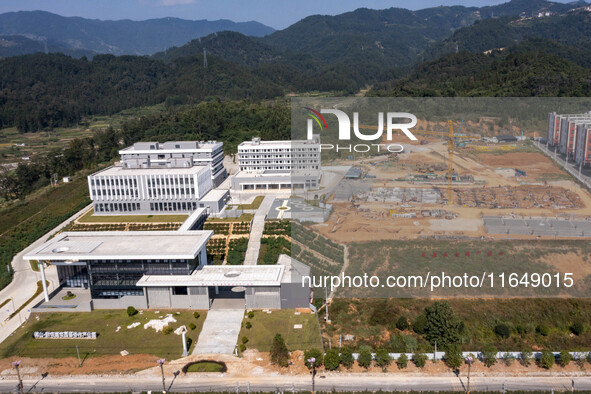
x: 565, y: 358
x: 526, y: 357
x: 420, y: 359
x: 383, y: 358
x: 402, y: 323
x: 402, y: 361
x: 453, y: 357
x: 364, y: 358
x: 331, y: 359
x: 442, y: 325
x: 547, y: 359
x: 313, y: 353
x: 131, y: 311
x: 489, y: 355
x: 419, y: 324
x: 347, y: 357
x: 279, y: 352
x: 577, y: 328
x: 502, y: 330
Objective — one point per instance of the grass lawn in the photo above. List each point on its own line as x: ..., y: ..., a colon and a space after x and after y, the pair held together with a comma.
x: 255, y: 204
x: 206, y: 366
x: 136, y: 340
x: 90, y: 218
x: 266, y: 325
x: 245, y: 217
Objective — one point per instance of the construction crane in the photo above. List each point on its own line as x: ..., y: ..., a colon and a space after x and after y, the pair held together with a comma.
x: 451, y: 137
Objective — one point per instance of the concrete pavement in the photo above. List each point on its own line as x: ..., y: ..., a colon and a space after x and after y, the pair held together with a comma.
x: 256, y: 231
x: 275, y: 382
x: 221, y: 327
x: 24, y: 282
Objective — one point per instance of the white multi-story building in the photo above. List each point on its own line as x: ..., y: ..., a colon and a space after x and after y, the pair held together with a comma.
x: 278, y: 165
x: 174, y: 177
x: 177, y: 154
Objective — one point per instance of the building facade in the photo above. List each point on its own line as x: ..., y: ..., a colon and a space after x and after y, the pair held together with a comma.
x: 562, y: 130
x: 278, y: 165
x: 164, y: 269
x: 583, y: 146
x: 177, y: 154
x: 117, y: 189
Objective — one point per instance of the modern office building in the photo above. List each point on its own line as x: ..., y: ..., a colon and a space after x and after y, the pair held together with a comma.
x: 117, y: 190
x: 278, y: 165
x: 173, y: 177
x: 163, y: 269
x: 177, y: 154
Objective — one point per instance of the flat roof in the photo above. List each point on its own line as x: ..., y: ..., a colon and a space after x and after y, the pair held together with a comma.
x: 122, y: 171
x: 215, y: 195
x: 220, y: 275
x: 166, y: 147
x: 122, y: 245
x: 277, y: 143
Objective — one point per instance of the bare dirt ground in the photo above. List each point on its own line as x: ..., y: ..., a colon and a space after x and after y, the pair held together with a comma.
x: 569, y: 262
x: 545, y: 192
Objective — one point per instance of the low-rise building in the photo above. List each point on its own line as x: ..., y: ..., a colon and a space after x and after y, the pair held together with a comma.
x: 164, y: 269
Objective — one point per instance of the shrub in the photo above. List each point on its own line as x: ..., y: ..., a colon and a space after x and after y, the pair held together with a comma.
x: 402, y: 323
x: 332, y: 359
x: 400, y: 343
x: 565, y: 358
x: 547, y: 360
x: 543, y: 330
x: 167, y: 330
x: 577, y: 328
x: 244, y: 340
x: 250, y: 314
x: 196, y: 315
x: 420, y: 359
x: 526, y: 357
x: 317, y: 354
x: 248, y: 325
x: 347, y: 357
x: 192, y: 326
x: 402, y: 361
x: 508, y: 359
x: 489, y: 355
x: 131, y: 311
x: 442, y: 326
x: 364, y: 358
x: 502, y: 330
x: 419, y: 324
x: 453, y: 357
x: 279, y: 352
x: 383, y: 358
x: 242, y: 347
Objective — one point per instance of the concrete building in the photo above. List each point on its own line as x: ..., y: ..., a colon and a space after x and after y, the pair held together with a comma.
x: 177, y: 154
x: 173, y: 177
x: 560, y: 133
x: 117, y: 189
x: 278, y: 165
x: 583, y: 145
x: 163, y: 269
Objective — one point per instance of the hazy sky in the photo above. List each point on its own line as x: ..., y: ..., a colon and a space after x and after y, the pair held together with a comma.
x: 275, y: 13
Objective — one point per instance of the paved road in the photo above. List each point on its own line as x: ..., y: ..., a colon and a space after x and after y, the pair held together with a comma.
x: 221, y: 327
x: 340, y: 382
x: 583, y: 175
x: 256, y: 231
x: 24, y: 283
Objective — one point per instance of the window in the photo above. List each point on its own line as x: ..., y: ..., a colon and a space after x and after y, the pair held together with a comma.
x: 179, y: 290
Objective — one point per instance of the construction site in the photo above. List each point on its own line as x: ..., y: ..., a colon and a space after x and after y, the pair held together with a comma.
x: 446, y: 184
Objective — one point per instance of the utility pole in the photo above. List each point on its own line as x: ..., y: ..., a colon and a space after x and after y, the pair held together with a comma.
x: 326, y: 303
x: 312, y: 362
x: 16, y: 364
x: 469, y: 361
x: 78, y: 352
x: 161, y: 363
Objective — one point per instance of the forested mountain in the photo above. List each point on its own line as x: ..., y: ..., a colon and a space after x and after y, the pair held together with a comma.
x: 570, y: 29
x: 117, y: 37
x: 21, y: 45
x: 39, y: 91
x: 497, y: 74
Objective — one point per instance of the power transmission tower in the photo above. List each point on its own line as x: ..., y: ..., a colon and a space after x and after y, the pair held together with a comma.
x: 204, y: 58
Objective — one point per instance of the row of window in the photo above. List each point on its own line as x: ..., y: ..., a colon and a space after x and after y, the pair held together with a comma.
x: 171, y: 181
x: 117, y: 207
x: 113, y: 182
x: 174, y: 206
